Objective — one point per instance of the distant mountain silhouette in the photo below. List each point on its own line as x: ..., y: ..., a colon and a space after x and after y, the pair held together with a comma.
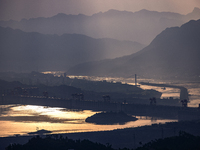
x: 142, y: 26
x: 21, y: 51
x: 175, y: 52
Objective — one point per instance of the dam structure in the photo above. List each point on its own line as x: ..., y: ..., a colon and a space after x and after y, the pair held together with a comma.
x: 159, y: 111
x: 183, y: 91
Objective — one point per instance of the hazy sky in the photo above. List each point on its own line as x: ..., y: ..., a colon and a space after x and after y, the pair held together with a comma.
x: 18, y: 9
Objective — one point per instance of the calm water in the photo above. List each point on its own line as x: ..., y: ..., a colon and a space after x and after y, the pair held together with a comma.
x: 22, y: 119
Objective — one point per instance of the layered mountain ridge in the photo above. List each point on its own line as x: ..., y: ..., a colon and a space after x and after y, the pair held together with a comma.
x: 142, y: 26
x: 173, y: 53
x: 21, y: 51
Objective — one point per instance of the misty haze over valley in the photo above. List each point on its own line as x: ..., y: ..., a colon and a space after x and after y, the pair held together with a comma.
x: 57, y: 43
x: 117, y: 77
x: 56, y: 53
x: 173, y: 53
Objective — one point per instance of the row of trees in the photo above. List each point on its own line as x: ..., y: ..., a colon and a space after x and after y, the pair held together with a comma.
x: 184, y: 141
x: 55, y: 142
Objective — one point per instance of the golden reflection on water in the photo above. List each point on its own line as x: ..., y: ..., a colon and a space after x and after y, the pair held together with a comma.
x: 22, y: 119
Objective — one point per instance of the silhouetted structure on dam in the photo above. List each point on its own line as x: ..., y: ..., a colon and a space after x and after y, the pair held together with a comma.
x: 106, y: 98
x: 183, y: 93
x: 78, y: 96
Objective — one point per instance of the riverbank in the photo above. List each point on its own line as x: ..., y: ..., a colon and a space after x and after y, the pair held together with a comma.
x: 130, y: 137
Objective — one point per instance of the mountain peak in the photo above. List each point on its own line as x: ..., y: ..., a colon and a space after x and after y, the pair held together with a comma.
x: 60, y: 15
x: 112, y: 11
x: 144, y: 10
x: 174, y: 53
x: 195, y: 14
x: 196, y: 10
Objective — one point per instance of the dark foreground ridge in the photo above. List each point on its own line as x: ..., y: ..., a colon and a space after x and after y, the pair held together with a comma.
x: 55, y: 143
x: 110, y: 118
x: 184, y: 141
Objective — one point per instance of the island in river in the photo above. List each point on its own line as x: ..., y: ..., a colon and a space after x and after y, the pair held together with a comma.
x: 110, y: 118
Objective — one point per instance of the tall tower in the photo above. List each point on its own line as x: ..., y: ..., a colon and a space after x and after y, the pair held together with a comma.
x: 135, y: 79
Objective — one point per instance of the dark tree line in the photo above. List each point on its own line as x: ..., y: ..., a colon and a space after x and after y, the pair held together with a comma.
x: 184, y: 141
x: 59, y: 143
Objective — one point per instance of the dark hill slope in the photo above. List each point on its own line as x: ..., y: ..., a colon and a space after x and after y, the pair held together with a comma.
x: 21, y: 51
x: 174, y: 52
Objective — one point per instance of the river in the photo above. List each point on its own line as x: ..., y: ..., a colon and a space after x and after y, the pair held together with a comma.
x: 23, y: 119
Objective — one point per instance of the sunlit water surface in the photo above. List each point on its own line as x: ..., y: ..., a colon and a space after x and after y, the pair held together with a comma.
x: 23, y: 119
